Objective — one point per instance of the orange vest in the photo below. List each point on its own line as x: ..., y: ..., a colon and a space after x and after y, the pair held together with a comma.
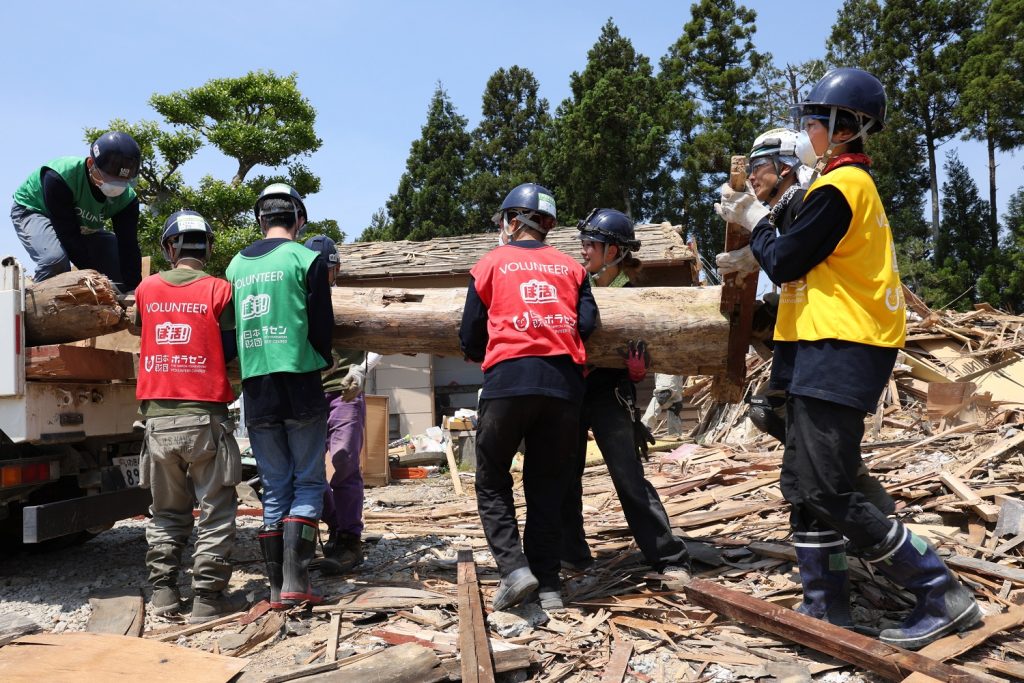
x: 531, y: 297
x: 182, y: 356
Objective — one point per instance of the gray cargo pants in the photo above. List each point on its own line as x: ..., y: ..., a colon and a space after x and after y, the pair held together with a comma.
x: 187, y: 460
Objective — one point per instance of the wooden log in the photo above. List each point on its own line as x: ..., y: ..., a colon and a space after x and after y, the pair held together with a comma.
x: 71, y: 306
x: 893, y: 663
x: 684, y: 329
x: 738, y: 293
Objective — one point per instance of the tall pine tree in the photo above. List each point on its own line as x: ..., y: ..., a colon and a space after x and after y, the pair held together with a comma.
x: 992, y: 82
x: 897, y: 161
x: 426, y: 203
x: 609, y: 137
x: 506, y: 143
x: 711, y: 73
x: 1002, y: 285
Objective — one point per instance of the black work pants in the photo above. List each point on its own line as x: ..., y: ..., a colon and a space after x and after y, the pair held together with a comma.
x: 644, y: 512
x: 549, y: 427
x: 819, y: 471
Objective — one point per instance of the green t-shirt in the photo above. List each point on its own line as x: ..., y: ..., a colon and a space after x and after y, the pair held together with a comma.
x: 92, y: 214
x: 168, y: 408
x: 271, y: 320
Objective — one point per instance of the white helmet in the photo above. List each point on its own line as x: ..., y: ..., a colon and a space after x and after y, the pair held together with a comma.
x: 793, y: 147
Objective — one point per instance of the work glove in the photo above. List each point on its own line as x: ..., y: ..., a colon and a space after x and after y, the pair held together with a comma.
x: 740, y: 261
x: 741, y: 208
x: 638, y: 359
x: 352, y: 383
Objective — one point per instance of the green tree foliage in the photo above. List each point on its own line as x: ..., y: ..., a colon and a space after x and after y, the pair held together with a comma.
x: 897, y: 159
x: 379, y: 228
x: 427, y: 201
x: 711, y: 73
x: 506, y: 144
x: 609, y: 137
x: 919, y: 54
x: 783, y: 87
x: 1002, y: 284
x: 962, y: 247
x: 993, y: 89
x: 259, y: 119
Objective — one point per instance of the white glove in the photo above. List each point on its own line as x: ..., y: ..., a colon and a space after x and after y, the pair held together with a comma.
x: 742, y: 208
x: 737, y: 261
x: 352, y: 383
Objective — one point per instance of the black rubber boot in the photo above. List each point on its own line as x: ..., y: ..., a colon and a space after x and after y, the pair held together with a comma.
x: 343, y: 552
x: 272, y: 545
x: 944, y: 605
x: 825, y: 577
x: 299, y: 547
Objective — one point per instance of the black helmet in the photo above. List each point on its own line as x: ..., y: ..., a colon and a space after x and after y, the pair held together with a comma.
x: 325, y: 246
x: 117, y: 156
x: 281, y: 191
x: 609, y: 226
x: 531, y: 197
x: 186, y: 230
x: 854, y: 90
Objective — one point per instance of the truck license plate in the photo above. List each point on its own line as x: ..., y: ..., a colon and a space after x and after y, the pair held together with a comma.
x: 129, y: 468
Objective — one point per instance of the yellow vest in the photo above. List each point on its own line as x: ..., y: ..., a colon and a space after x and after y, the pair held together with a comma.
x: 855, y: 293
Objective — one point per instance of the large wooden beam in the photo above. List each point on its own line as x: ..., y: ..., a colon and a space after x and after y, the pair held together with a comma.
x: 62, y: 361
x: 684, y: 329
x: 891, y: 662
x: 474, y: 644
x: 738, y: 293
x: 71, y: 306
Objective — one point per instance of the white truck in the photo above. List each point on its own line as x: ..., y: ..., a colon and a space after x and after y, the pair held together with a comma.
x: 69, y: 451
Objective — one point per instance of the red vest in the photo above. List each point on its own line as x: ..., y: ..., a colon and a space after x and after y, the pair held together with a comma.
x: 182, y: 357
x: 531, y: 297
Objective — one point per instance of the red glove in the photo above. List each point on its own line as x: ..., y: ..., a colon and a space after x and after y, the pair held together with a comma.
x: 638, y: 359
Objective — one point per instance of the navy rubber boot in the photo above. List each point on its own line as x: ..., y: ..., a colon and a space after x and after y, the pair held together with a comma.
x: 824, y: 575
x: 272, y: 544
x: 299, y: 547
x: 944, y: 605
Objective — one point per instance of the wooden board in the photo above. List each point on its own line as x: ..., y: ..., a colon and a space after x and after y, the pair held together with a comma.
x: 893, y: 663
x: 102, y: 658
x: 62, y: 361
x: 474, y: 645
x: 120, y: 612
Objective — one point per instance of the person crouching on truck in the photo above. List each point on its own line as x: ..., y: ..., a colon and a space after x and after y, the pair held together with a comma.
x: 187, y: 322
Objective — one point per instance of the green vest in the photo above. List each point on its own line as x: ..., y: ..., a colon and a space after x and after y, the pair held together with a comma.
x: 92, y: 214
x: 271, y: 320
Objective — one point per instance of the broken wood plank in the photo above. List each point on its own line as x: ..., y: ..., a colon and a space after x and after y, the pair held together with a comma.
x: 616, y: 669
x: 957, y: 644
x: 453, y: 467
x: 408, y: 662
x: 885, y: 660
x: 332, y: 638
x: 13, y: 626
x: 1000, y: 571
x: 117, y: 611
x: 107, y: 657
x: 474, y: 644
x: 513, y: 659
x: 986, y: 511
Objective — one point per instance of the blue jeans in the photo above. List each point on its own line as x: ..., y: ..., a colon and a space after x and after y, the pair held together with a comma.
x: 290, y: 457
x: 54, y: 254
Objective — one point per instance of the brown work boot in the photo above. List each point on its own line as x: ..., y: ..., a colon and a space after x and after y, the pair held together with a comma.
x: 207, y: 606
x: 166, y: 601
x: 343, y: 552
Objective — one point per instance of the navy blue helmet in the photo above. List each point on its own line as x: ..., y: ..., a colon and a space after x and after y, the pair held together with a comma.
x: 609, y: 226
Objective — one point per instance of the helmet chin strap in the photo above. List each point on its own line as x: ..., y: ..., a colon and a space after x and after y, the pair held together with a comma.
x: 827, y: 156
x: 608, y: 264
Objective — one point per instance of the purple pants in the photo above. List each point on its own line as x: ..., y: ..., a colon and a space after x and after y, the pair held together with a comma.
x: 343, y: 497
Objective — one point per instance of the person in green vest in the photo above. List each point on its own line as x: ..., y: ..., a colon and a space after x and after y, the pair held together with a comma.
x: 62, y: 211
x: 284, y: 320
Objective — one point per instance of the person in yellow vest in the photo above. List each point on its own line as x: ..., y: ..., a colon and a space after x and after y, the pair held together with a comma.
x: 841, y: 320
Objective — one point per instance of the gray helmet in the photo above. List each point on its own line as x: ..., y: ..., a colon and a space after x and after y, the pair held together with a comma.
x: 609, y: 226
x: 280, y: 191
x: 186, y: 230
x: 325, y: 246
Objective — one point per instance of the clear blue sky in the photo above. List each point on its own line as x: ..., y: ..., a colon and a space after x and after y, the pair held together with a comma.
x: 369, y: 68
